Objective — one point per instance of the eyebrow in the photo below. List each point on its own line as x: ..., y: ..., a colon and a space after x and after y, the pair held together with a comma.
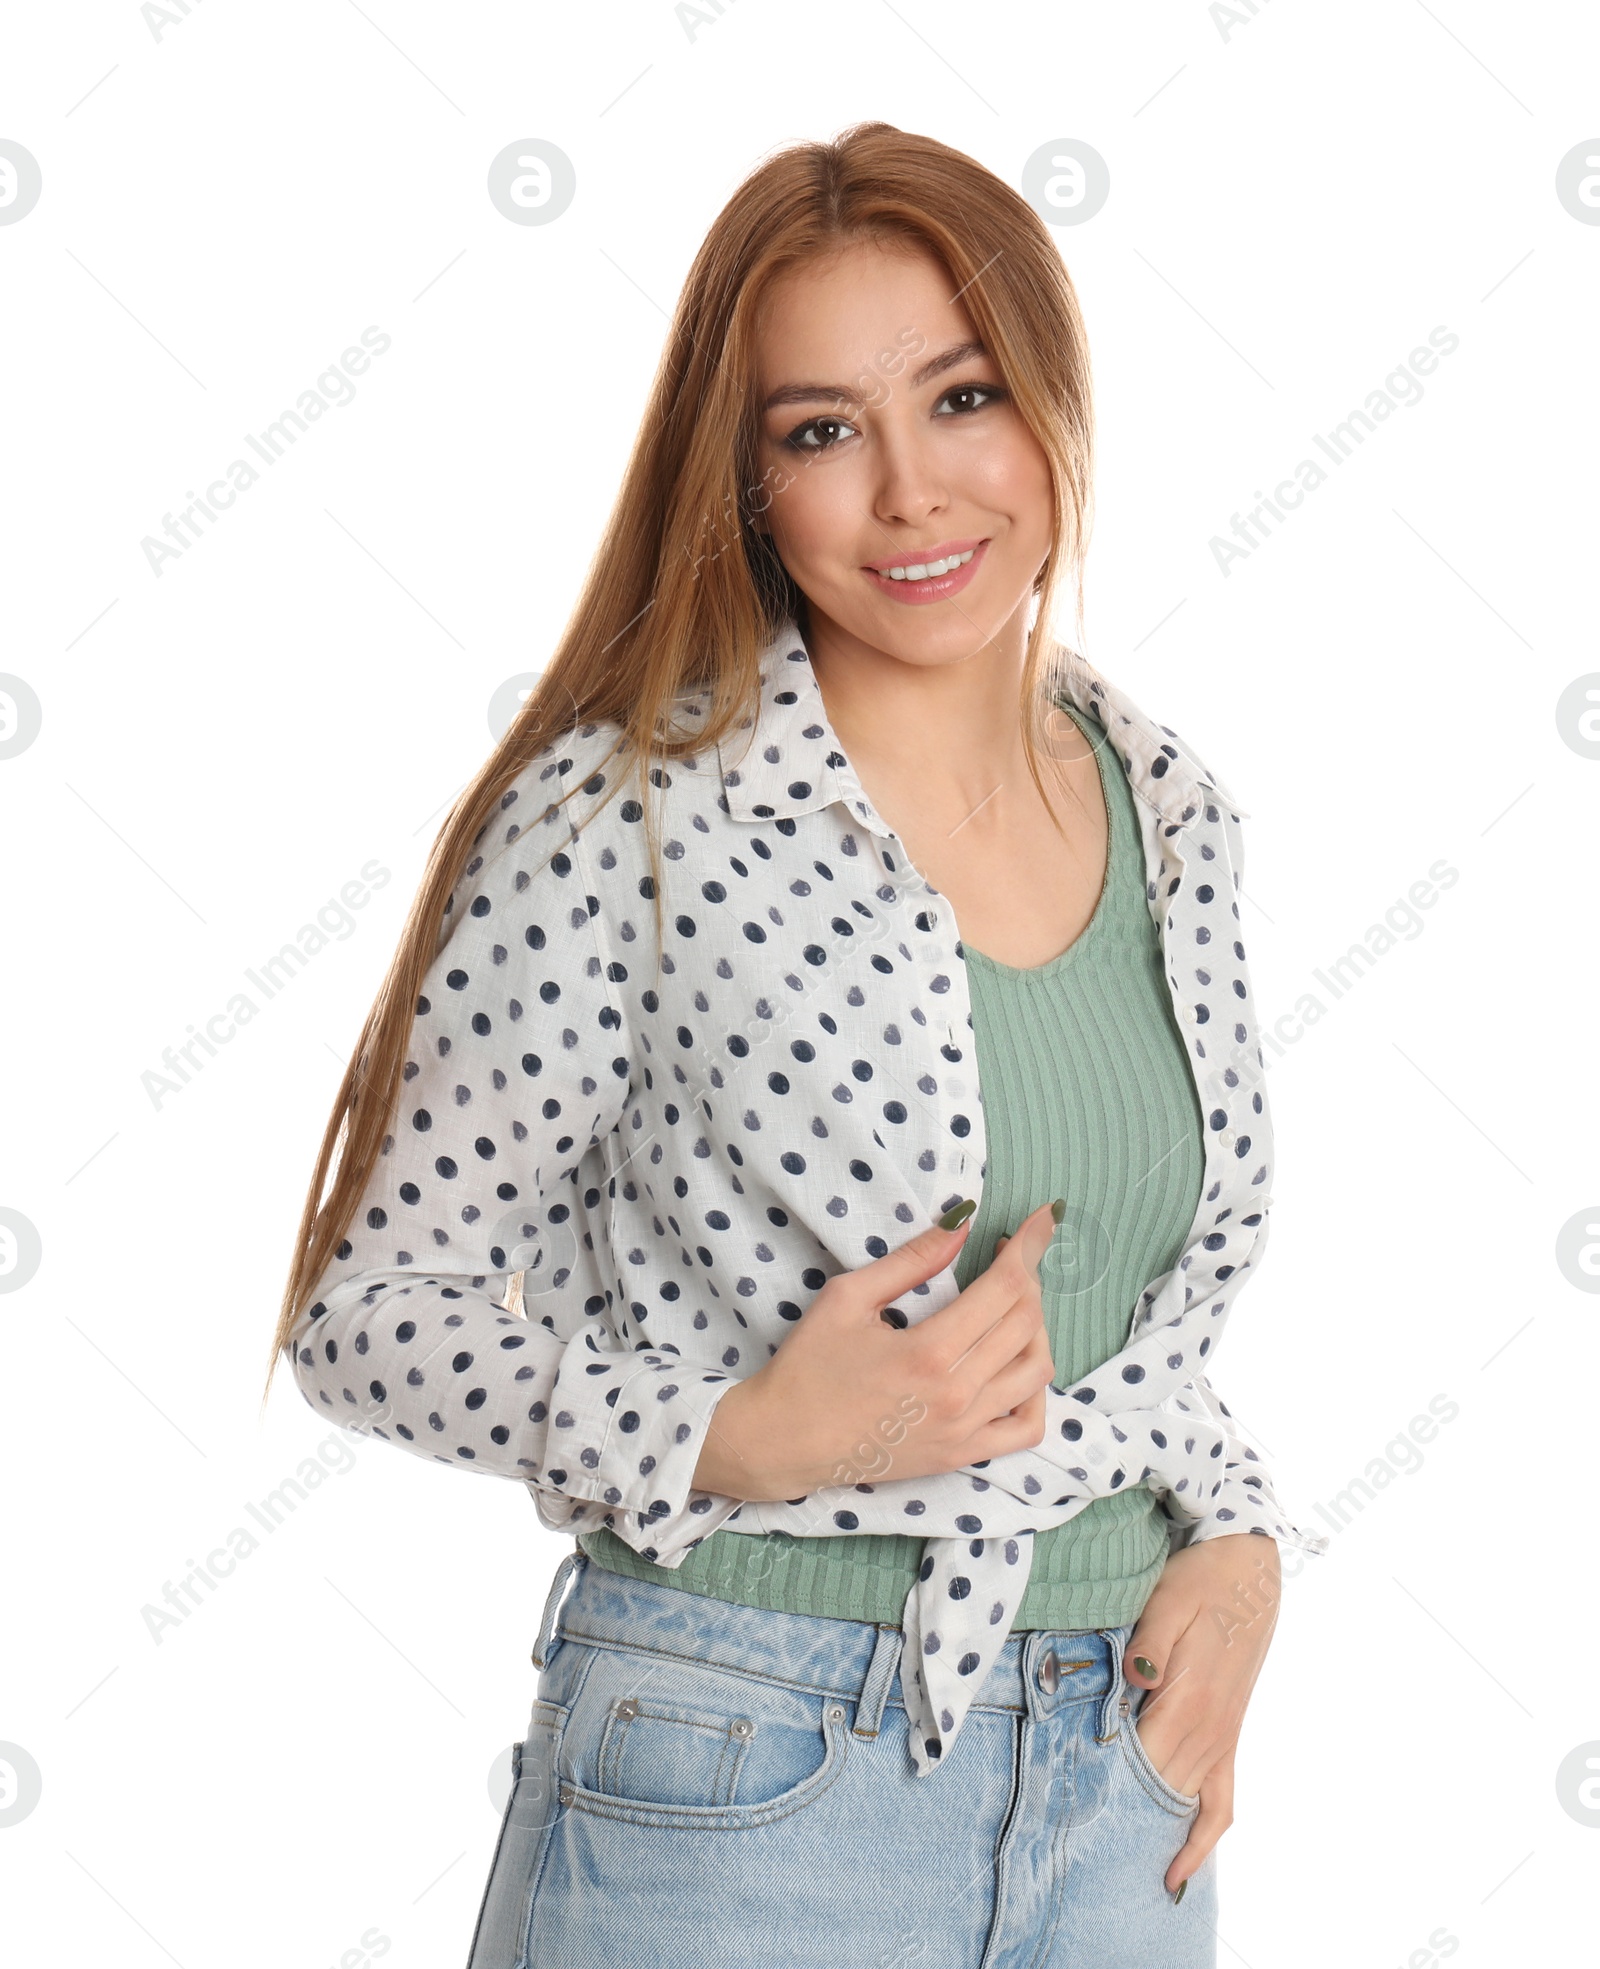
x: 950, y: 358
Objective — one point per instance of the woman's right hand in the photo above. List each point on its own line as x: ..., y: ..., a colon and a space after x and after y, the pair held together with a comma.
x: 849, y: 1398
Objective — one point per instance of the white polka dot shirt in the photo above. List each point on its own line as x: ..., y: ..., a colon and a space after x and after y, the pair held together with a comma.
x: 676, y: 1164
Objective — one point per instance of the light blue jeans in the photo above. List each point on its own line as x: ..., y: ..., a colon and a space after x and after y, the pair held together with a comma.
x: 712, y: 1786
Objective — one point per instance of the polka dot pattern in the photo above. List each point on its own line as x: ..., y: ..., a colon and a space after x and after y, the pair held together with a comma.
x: 676, y: 1164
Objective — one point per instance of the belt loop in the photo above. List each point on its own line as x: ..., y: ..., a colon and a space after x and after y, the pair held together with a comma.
x: 1110, y: 1708
x: 880, y: 1674
x: 568, y: 1566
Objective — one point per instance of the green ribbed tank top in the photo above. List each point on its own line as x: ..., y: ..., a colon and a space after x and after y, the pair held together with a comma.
x: 1087, y: 1095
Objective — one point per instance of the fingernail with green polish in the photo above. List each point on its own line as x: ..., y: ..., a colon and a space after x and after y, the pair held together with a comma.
x: 1146, y: 1667
x: 1179, y: 1895
x: 1058, y: 1209
x: 957, y: 1214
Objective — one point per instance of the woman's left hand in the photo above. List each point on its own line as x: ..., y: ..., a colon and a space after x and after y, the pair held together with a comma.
x: 1204, y: 1634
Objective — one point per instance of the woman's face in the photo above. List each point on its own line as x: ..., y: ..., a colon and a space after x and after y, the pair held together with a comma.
x: 887, y: 436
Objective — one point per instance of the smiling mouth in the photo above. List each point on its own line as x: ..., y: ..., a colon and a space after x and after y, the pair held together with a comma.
x: 926, y: 570
x: 931, y: 580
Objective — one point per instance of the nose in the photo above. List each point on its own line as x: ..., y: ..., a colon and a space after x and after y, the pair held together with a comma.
x: 911, y: 487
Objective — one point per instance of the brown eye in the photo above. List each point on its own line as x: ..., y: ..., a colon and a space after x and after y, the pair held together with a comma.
x: 972, y: 390
x: 795, y: 441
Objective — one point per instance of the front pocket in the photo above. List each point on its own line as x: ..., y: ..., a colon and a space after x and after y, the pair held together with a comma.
x: 660, y: 1740
x: 1180, y: 1803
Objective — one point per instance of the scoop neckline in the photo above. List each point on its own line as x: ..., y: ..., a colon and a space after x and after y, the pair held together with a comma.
x: 1063, y: 958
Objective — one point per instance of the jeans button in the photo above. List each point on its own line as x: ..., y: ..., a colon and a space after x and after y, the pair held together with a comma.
x: 1049, y: 1672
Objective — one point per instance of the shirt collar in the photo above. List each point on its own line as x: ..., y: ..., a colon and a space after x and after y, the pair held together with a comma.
x: 793, y: 763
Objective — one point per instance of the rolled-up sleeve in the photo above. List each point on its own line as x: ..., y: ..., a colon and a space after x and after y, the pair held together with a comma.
x: 518, y: 1063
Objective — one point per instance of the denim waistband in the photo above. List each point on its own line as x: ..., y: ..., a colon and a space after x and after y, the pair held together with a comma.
x: 1037, y: 1672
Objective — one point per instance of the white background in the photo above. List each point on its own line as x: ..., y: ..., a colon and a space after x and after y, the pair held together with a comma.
x: 315, y: 1755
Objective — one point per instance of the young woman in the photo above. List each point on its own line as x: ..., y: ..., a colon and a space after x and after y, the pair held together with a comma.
x: 812, y: 1135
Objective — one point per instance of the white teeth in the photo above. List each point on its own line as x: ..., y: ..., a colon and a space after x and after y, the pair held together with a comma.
x: 932, y: 569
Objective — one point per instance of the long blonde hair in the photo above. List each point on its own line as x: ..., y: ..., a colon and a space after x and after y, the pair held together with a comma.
x: 685, y: 590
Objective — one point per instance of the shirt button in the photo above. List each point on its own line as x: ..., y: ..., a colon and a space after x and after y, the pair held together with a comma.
x: 1190, y: 1015
x: 1049, y: 1671
x: 1227, y: 1138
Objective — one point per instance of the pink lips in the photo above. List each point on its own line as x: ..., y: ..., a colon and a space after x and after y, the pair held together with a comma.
x: 933, y: 588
